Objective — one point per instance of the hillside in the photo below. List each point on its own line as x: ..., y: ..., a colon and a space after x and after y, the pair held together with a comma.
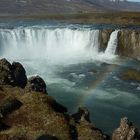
x: 64, y: 6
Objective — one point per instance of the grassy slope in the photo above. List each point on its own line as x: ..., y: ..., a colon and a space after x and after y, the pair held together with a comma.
x: 121, y: 18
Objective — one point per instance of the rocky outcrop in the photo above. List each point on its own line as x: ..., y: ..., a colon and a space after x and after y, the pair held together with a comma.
x: 129, y: 43
x: 84, y: 129
x: 19, y: 73
x: 12, y: 74
x: 126, y: 131
x: 8, y: 105
x: 82, y: 113
x: 6, y: 75
x: 36, y: 83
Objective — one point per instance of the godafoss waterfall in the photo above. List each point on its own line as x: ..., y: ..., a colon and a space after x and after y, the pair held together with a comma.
x: 83, y: 65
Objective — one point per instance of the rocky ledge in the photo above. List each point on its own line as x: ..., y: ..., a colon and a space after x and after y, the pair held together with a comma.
x: 27, y: 112
x: 128, y: 42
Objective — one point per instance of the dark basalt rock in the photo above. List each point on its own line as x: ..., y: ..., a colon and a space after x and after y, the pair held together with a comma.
x: 19, y: 73
x: 126, y: 131
x: 36, y: 83
x: 56, y: 106
x: 3, y: 126
x: 9, y: 105
x: 82, y: 113
x: 47, y: 137
x: 6, y: 76
x: 14, y: 74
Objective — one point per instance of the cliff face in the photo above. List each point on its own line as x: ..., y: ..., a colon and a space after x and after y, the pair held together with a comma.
x: 104, y: 38
x: 128, y: 42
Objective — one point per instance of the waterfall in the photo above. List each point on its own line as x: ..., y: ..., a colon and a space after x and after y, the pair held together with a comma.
x: 112, y: 44
x: 54, y: 44
x: 46, y: 43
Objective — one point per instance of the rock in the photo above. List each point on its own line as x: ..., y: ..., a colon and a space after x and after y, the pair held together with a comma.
x: 104, y: 38
x: 129, y: 43
x: 6, y: 76
x: 82, y: 113
x: 131, y: 75
x: 83, y: 129
x: 56, y: 106
x: 47, y: 137
x: 87, y: 131
x: 5, y: 64
x: 3, y: 126
x: 126, y: 131
x: 37, y: 84
x: 19, y: 74
x: 14, y: 74
x: 9, y: 105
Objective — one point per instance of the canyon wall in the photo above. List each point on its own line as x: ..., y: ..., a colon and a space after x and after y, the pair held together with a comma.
x: 128, y: 42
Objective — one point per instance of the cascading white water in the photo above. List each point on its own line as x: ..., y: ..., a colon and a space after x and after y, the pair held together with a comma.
x: 52, y: 44
x: 112, y: 44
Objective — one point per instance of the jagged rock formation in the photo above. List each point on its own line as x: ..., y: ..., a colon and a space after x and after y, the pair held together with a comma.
x: 12, y: 74
x: 37, y: 84
x: 126, y: 131
x: 86, y: 130
x: 19, y: 74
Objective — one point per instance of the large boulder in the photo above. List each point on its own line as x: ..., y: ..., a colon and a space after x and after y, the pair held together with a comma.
x: 8, y: 105
x: 126, y: 131
x: 36, y: 83
x: 19, y: 74
x: 6, y: 75
x: 14, y: 74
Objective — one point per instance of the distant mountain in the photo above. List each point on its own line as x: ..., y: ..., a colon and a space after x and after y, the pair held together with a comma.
x: 121, y: 5
x: 64, y: 6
